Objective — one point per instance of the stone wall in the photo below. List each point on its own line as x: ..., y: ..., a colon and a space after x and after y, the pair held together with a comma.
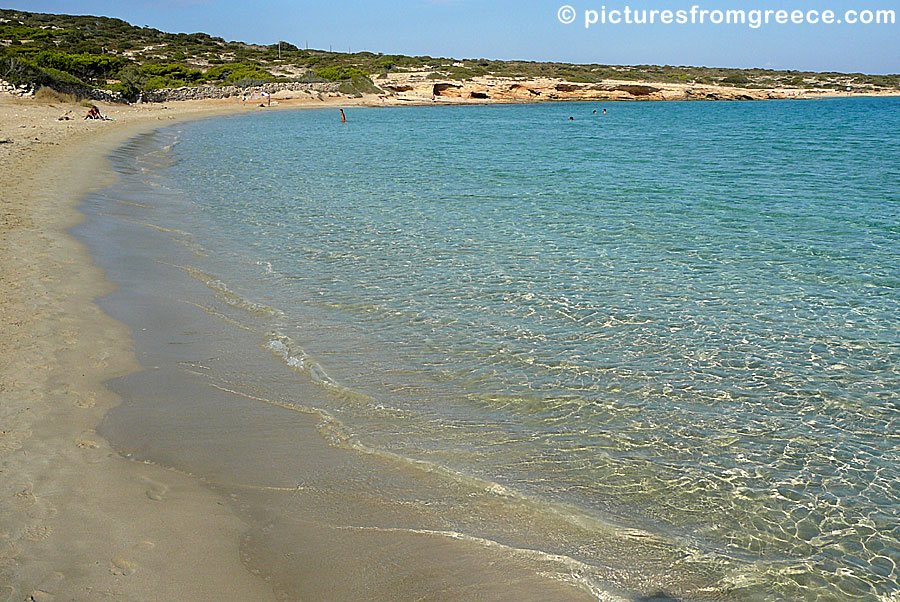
x: 15, y: 90
x: 75, y: 90
x: 106, y: 95
x: 171, y: 94
x: 204, y: 92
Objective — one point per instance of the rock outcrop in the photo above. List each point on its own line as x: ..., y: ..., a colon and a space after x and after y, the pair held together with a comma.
x: 420, y: 86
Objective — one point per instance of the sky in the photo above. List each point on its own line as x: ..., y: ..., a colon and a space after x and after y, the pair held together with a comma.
x: 523, y: 29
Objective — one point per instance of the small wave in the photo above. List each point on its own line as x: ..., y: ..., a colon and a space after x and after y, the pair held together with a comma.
x: 572, y: 571
x: 229, y: 296
x: 296, y: 358
x: 267, y: 265
x: 212, y: 312
x: 162, y: 229
x: 132, y: 203
x: 339, y: 435
x: 334, y: 431
x: 180, y: 237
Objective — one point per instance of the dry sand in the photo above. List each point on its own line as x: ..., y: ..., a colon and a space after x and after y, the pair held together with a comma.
x: 77, y: 520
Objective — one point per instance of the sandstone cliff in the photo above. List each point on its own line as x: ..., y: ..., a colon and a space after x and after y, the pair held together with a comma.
x: 419, y: 86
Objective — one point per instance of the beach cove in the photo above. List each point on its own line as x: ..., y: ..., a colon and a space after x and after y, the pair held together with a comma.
x: 81, y: 520
x: 488, y: 374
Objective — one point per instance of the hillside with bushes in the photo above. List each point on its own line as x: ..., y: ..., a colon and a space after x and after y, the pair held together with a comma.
x: 64, y: 51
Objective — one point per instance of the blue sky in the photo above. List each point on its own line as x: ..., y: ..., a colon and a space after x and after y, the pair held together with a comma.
x: 521, y: 29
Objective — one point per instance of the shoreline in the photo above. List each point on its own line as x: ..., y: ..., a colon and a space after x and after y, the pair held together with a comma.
x: 84, y: 520
x: 79, y: 520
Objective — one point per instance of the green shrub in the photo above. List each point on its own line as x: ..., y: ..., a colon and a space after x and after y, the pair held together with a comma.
x: 360, y: 85
x: 131, y: 82
x: 348, y: 89
x: 23, y: 32
x: 233, y: 73
x: 19, y: 70
x: 336, y: 74
x: 169, y: 75
x: 82, y: 66
x: 736, y: 79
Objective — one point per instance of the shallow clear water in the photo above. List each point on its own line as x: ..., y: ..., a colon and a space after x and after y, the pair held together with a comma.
x: 681, y: 319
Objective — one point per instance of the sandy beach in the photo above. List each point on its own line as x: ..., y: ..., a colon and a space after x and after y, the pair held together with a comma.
x: 78, y: 519
x: 448, y: 302
x: 140, y: 461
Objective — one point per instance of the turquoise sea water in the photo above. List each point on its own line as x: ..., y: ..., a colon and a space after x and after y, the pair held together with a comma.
x: 682, y: 319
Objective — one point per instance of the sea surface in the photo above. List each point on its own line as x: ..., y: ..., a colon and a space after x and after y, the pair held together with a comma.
x: 663, y: 344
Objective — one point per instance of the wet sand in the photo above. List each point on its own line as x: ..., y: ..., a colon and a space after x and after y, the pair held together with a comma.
x: 77, y: 520
x: 81, y: 520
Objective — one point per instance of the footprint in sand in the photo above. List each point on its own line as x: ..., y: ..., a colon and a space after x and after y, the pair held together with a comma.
x: 25, y: 501
x: 144, y: 546
x: 93, y: 452
x: 6, y: 593
x: 11, y: 441
x: 101, y: 361
x: 8, y: 549
x: 85, y: 400
x: 50, y: 584
x: 156, y: 491
x: 122, y: 567
x: 37, y: 532
x: 23, y: 498
x: 42, y: 510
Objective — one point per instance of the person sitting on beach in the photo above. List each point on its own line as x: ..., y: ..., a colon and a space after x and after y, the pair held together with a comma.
x: 93, y: 113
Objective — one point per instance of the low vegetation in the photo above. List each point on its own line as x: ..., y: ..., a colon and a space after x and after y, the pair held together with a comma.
x: 49, y: 95
x: 76, y: 53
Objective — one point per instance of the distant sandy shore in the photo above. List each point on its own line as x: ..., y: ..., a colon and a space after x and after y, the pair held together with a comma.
x: 77, y: 520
